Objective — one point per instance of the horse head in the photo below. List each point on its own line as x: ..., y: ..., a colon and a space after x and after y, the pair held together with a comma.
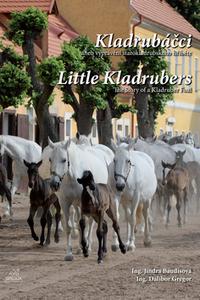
x: 87, y: 180
x: 59, y: 163
x: 179, y: 155
x: 32, y: 172
x: 122, y: 164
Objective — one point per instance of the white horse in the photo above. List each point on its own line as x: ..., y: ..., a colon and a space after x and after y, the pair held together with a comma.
x: 68, y: 161
x: 19, y: 149
x: 135, y: 179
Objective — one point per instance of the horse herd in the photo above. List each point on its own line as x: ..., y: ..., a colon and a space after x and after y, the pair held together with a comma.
x: 86, y: 181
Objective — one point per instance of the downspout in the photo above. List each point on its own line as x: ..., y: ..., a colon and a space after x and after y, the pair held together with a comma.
x: 133, y: 25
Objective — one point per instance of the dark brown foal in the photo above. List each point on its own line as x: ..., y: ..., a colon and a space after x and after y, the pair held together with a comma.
x: 97, y: 199
x: 41, y: 195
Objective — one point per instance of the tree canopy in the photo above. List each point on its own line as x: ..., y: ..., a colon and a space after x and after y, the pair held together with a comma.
x: 14, y: 80
x: 189, y: 9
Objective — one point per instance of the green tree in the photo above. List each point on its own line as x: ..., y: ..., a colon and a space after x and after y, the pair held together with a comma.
x: 24, y: 28
x: 189, y: 9
x: 78, y: 56
x: 14, y: 80
x: 150, y: 100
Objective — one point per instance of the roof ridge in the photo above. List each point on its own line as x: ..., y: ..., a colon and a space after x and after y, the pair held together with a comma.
x: 161, y: 12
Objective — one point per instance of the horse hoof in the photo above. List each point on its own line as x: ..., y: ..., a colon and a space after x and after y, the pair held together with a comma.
x: 60, y: 227
x: 86, y: 254
x: 78, y: 251
x: 41, y: 243
x: 56, y: 239
x: 123, y: 249
x: 114, y: 248
x: 104, y: 253
x: 147, y: 243
x: 47, y: 243
x: 131, y: 248
x: 75, y: 234
x: 69, y: 257
x: 179, y: 225
x: 35, y: 238
x: 100, y: 261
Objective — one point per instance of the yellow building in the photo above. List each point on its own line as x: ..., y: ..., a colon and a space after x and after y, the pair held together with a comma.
x: 122, y: 17
x: 144, y: 18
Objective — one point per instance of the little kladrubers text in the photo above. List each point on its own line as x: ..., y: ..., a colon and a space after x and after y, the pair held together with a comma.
x: 115, y: 77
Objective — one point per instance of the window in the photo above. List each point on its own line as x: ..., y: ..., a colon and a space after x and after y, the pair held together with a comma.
x: 176, y: 65
x: 169, y: 61
x: 126, y: 130
x: 119, y: 127
x: 94, y: 130
x: 136, y: 130
x: 190, y: 65
x: 68, y: 127
x: 196, y: 76
x: 183, y: 65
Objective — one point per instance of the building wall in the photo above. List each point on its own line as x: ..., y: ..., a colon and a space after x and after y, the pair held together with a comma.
x: 89, y: 17
x: 185, y: 107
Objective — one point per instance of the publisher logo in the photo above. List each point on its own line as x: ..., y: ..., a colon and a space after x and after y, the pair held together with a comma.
x: 13, y: 276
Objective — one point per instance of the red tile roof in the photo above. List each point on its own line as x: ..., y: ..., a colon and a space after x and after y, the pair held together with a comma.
x: 6, y: 42
x: 8, y: 6
x: 58, y: 32
x: 159, y: 11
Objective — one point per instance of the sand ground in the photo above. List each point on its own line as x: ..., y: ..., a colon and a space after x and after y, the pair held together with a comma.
x: 28, y: 271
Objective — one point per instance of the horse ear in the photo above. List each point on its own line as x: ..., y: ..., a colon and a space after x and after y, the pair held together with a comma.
x: 79, y: 180
x: 113, y: 145
x: 26, y: 163
x: 39, y: 164
x: 51, y: 144
x: 131, y: 145
x: 77, y: 135
x: 67, y: 144
x: 154, y: 138
x: 183, y: 152
x: 164, y: 164
x: 169, y: 166
x: 118, y: 140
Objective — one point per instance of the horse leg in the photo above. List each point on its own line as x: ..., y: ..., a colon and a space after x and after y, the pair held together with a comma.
x: 14, y: 188
x: 30, y: 221
x: 168, y: 208
x: 43, y: 222
x: 9, y: 199
x: 73, y: 212
x: 147, y: 238
x: 127, y: 218
x: 65, y: 204
x: 89, y: 233
x: 105, y: 231
x: 83, y: 240
x: 134, y: 206
x: 57, y: 218
x: 115, y: 243
x: 78, y: 214
x: 185, y: 205
x: 100, y: 234
x: 178, y: 207
x: 112, y: 215
x: 49, y: 223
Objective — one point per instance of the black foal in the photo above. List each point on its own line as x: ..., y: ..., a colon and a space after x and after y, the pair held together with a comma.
x: 41, y: 195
